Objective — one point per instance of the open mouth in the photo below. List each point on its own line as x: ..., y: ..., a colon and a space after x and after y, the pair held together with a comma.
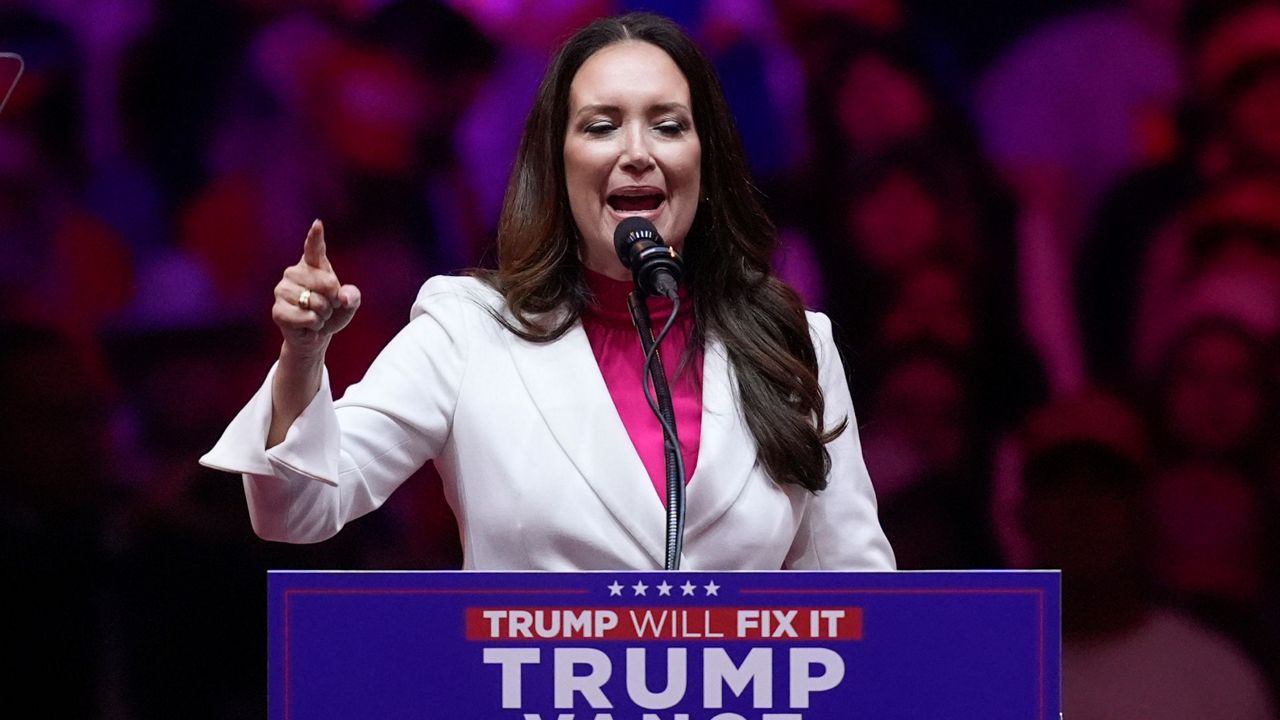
x: 635, y: 203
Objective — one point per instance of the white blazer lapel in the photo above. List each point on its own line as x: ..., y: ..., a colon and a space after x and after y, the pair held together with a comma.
x: 726, y: 452
x: 564, y: 381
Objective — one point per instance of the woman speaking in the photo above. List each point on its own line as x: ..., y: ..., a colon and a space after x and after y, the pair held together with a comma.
x: 523, y: 384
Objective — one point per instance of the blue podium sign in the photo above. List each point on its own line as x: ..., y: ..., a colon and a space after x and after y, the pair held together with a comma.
x: 664, y: 646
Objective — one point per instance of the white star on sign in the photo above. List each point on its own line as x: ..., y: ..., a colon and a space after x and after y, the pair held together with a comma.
x: 614, y: 589
x: 664, y: 588
x: 711, y: 588
x: 639, y: 587
x: 687, y: 588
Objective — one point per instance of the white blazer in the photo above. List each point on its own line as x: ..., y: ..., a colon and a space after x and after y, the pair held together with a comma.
x: 537, y: 465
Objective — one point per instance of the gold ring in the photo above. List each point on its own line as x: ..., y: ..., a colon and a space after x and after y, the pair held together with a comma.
x: 304, y: 299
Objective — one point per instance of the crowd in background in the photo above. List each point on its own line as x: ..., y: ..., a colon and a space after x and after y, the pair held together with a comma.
x: 1048, y: 235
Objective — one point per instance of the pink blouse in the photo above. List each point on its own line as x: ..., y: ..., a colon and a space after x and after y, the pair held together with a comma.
x: 616, y: 345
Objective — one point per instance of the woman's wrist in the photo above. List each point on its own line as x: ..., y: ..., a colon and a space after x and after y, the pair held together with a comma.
x: 300, y: 371
x: 303, y: 359
x: 297, y: 380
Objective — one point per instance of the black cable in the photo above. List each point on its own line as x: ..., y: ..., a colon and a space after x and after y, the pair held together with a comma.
x: 673, y: 451
x: 666, y: 418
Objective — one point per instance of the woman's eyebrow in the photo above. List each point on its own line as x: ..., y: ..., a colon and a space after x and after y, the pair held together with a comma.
x: 668, y: 107
x: 603, y: 109
x: 606, y: 109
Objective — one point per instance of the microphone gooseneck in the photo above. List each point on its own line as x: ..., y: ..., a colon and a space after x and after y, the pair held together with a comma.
x: 656, y: 269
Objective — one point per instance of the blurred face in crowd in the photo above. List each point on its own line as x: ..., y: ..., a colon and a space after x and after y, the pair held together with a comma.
x: 1214, y: 398
x: 932, y: 304
x: 878, y: 104
x: 1085, y: 509
x: 922, y: 402
x: 55, y: 453
x: 1255, y: 118
x: 1100, y: 549
x: 1210, y: 531
x: 1255, y: 252
x: 373, y: 109
x: 1161, y: 16
x: 896, y: 225
x: 185, y: 400
x: 630, y: 149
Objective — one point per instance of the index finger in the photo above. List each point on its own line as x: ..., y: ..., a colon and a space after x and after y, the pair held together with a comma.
x: 313, y: 250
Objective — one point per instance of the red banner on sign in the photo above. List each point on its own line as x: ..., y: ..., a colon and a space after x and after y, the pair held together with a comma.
x: 682, y: 623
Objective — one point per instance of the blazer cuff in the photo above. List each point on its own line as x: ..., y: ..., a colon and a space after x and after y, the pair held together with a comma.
x: 310, y: 448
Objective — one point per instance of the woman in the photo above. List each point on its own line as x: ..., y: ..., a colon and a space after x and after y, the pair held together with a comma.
x: 522, y: 384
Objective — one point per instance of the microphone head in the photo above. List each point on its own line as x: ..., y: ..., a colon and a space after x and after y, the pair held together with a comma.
x: 655, y: 266
x: 630, y: 231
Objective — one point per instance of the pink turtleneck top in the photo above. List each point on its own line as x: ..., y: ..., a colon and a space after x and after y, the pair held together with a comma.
x: 616, y: 345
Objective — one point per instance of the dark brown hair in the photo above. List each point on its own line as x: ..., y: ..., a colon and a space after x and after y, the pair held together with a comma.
x: 759, y: 319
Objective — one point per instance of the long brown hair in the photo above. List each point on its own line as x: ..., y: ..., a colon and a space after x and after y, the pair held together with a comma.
x: 759, y: 319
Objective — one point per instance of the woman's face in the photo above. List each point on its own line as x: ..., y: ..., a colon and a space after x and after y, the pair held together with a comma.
x: 630, y: 149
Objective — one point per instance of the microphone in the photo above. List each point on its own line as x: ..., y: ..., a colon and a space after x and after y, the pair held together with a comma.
x: 656, y: 268
x: 654, y: 265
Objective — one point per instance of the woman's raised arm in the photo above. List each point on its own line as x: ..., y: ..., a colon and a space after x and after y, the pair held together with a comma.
x: 311, y: 306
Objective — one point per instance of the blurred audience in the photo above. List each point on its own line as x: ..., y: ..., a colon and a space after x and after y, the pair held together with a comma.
x: 1219, y: 173
x: 925, y: 440
x: 1213, y: 408
x: 1086, y: 511
x: 1222, y: 254
x: 1069, y: 108
x: 56, y: 507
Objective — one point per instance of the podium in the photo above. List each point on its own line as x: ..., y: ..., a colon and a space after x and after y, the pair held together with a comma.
x: 664, y: 646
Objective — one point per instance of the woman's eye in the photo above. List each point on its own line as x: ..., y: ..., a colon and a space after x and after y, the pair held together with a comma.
x: 670, y: 127
x: 598, y: 128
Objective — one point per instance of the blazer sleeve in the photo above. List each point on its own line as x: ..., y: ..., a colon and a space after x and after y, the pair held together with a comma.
x: 340, y: 460
x: 840, y: 529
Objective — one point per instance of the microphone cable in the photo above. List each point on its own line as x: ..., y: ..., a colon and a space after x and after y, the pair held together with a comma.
x: 675, y: 470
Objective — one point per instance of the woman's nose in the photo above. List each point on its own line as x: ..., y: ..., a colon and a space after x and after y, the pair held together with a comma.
x: 637, y: 157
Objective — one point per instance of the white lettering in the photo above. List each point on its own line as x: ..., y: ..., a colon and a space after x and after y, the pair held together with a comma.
x: 803, y: 683
x: 784, y: 623
x: 568, y: 683
x: 547, y: 624
x: 579, y: 623
x: 677, y: 679
x: 511, y: 659
x: 519, y: 622
x: 606, y: 620
x: 647, y: 625
x: 706, y: 619
x: 756, y: 669
x: 833, y: 619
x: 522, y: 624
x: 495, y: 620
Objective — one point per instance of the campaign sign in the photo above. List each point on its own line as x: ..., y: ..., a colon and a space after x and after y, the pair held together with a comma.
x: 664, y: 646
